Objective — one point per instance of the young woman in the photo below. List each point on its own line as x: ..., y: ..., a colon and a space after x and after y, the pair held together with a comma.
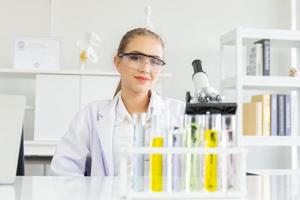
x: 92, y: 146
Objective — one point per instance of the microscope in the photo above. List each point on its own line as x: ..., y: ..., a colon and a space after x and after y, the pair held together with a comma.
x: 206, y: 98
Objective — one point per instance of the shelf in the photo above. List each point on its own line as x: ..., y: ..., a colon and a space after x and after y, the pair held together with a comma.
x: 56, y: 72
x: 263, y: 82
x: 20, y: 72
x: 238, y: 39
x: 270, y: 172
x: 271, y: 140
x: 279, y: 38
x: 39, y: 148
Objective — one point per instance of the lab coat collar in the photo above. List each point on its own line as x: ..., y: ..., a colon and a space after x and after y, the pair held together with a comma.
x: 121, y: 112
x: 157, y: 105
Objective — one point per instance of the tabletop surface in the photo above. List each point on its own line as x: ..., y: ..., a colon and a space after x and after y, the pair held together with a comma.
x: 90, y: 188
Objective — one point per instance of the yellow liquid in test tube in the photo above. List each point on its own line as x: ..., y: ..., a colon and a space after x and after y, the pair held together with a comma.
x: 210, y: 162
x: 156, y: 176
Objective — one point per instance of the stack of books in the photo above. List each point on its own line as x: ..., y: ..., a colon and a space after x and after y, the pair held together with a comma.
x: 269, y: 115
x: 258, y: 58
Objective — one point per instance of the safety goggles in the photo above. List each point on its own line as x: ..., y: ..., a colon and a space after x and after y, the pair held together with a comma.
x: 137, y: 60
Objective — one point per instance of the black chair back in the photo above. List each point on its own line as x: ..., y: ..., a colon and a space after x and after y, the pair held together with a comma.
x: 21, y: 160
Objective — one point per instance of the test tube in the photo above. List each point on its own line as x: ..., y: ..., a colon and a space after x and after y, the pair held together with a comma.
x: 139, y: 120
x: 187, y: 157
x: 211, y: 135
x: 147, y: 156
x: 229, y: 140
x: 156, y: 159
x: 176, y: 137
x: 195, y: 139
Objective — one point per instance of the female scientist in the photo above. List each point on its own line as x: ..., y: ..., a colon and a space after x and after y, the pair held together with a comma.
x: 92, y: 145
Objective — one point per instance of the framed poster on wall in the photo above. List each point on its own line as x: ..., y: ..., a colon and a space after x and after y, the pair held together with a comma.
x: 36, y: 53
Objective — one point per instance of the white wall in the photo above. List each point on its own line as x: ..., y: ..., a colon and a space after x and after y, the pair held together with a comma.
x: 17, y: 18
x: 190, y: 29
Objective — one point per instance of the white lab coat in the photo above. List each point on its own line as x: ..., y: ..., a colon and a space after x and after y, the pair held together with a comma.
x: 87, y: 147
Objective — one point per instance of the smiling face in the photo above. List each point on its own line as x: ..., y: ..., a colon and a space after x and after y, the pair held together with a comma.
x: 138, y: 77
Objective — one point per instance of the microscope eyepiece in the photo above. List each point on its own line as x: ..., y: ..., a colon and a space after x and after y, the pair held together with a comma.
x: 197, y: 66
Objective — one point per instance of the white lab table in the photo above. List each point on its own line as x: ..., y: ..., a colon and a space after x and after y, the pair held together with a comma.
x: 90, y: 188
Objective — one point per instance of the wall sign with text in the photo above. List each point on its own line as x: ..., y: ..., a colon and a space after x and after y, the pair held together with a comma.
x: 36, y: 53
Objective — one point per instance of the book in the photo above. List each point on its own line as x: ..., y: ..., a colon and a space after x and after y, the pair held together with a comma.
x: 256, y: 185
x: 266, y: 112
x: 274, y: 187
x: 287, y: 112
x: 265, y: 56
x: 294, y: 113
x: 266, y: 188
x: 274, y: 115
x: 252, y: 118
x: 281, y: 114
x: 254, y: 59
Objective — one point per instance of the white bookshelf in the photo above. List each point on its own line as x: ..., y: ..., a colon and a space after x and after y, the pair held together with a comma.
x: 241, y: 83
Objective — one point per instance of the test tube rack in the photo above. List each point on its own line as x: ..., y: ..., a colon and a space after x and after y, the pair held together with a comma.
x: 238, y: 193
